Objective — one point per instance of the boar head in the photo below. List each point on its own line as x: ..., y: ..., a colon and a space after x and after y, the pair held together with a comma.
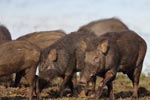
x: 47, y: 65
x: 94, y: 62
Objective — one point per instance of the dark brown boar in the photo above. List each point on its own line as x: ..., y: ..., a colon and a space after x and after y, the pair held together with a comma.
x: 20, y: 57
x: 102, y: 26
x: 43, y: 39
x: 5, y: 36
x: 115, y: 52
x: 64, y: 58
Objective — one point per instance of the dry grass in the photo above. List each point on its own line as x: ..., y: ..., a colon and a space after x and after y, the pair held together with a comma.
x: 122, y: 90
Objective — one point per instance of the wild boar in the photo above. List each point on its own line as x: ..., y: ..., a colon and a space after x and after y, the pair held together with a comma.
x: 20, y: 57
x: 5, y: 36
x: 43, y: 39
x: 115, y: 52
x: 99, y: 28
x: 64, y: 58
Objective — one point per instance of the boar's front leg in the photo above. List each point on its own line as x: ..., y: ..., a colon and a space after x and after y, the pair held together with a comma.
x: 93, y: 83
x: 110, y: 91
x: 92, y: 92
x: 73, y: 85
x: 108, y: 78
x: 67, y: 79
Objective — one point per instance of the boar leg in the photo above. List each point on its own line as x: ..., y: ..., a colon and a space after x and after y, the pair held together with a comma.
x: 74, y: 84
x: 71, y: 86
x: 109, y: 77
x: 74, y: 80
x: 66, y: 79
x: 30, y: 77
x: 18, y: 78
x: 36, y: 87
x: 137, y: 73
x: 134, y: 77
x: 93, y: 83
x: 110, y: 91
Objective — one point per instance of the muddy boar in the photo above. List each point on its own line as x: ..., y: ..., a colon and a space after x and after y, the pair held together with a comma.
x: 5, y: 36
x: 20, y: 57
x: 115, y: 52
x: 43, y: 39
x: 64, y: 58
x: 102, y: 26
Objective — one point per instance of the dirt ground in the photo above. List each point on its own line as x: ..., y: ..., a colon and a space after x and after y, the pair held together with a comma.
x: 122, y: 90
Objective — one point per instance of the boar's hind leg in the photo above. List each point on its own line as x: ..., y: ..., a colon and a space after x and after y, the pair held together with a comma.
x: 134, y: 77
x: 30, y: 77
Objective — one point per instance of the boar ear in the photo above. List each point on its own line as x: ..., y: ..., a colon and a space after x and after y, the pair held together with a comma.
x: 83, y: 45
x: 103, y: 46
x: 52, y: 54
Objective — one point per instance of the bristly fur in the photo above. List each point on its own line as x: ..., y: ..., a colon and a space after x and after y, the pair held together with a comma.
x: 43, y: 39
x: 102, y: 26
x: 69, y: 58
x: 4, y: 34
